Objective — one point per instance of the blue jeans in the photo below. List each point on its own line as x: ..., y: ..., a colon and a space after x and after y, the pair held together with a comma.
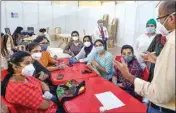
x: 153, y: 110
x: 60, y: 108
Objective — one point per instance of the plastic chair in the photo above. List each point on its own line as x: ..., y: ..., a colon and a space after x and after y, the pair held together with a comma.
x: 145, y: 74
x: 7, y: 30
x: 3, y: 74
x: 10, y: 107
x: 58, y: 30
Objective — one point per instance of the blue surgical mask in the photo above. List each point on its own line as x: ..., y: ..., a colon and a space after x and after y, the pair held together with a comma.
x: 99, y: 49
x: 128, y: 59
x: 101, y: 24
x: 44, y: 47
x: 150, y: 29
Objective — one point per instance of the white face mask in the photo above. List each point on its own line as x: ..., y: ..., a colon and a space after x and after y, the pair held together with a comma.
x: 36, y: 56
x: 87, y: 44
x: 162, y: 28
x: 75, y: 38
x: 28, y: 70
x: 99, y: 49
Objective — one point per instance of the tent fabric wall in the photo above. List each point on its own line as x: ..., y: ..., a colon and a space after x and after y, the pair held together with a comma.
x: 131, y: 17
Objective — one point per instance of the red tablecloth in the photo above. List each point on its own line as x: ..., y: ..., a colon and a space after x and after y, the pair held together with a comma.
x: 87, y: 102
x: 69, y: 73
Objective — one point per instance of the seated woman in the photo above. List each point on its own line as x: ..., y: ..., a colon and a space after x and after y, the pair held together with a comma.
x: 42, y: 32
x: 134, y: 67
x: 5, y: 51
x: 86, y: 51
x: 26, y: 93
x: 101, y: 61
x: 40, y: 72
x: 74, y: 46
x: 46, y: 60
x: 18, y: 36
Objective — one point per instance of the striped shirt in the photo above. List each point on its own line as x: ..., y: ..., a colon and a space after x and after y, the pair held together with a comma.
x: 72, y: 48
x: 106, y: 62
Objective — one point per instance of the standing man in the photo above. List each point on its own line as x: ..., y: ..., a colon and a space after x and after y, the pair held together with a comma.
x: 161, y: 90
x: 101, y: 33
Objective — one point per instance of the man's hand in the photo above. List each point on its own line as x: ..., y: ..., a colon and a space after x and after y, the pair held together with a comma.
x: 123, y: 68
x: 149, y: 57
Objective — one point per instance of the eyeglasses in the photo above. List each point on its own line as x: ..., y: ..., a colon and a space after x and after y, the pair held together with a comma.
x: 159, y: 18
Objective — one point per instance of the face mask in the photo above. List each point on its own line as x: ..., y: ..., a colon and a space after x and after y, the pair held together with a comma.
x: 99, y: 49
x: 28, y: 70
x: 162, y: 28
x: 128, y: 59
x: 150, y: 30
x: 75, y: 38
x: 101, y: 24
x: 87, y: 44
x: 44, y: 47
x: 36, y: 56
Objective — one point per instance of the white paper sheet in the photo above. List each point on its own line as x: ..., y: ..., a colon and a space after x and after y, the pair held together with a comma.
x: 109, y: 100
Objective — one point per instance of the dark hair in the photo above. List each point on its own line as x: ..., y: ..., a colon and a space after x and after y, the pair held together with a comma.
x: 88, y: 36
x: 99, y: 40
x: 74, y: 32
x: 127, y: 47
x: 16, y: 58
x: 42, y: 30
x: 16, y: 34
x: 31, y: 46
x: 2, y: 34
x: 4, y: 50
x: 40, y: 38
x: 88, y: 49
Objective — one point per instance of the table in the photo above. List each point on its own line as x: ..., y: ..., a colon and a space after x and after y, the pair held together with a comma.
x: 73, y: 72
x: 58, y: 52
x: 87, y: 102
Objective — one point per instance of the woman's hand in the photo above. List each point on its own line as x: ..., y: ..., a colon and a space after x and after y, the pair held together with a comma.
x: 47, y: 95
x: 43, y: 76
x: 123, y: 68
x: 94, y: 63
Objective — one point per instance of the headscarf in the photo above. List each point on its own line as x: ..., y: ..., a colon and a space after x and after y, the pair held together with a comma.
x: 88, y: 49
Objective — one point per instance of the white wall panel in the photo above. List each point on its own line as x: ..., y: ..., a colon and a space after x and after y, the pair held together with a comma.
x: 3, y: 16
x: 45, y: 16
x: 71, y: 19
x: 59, y: 17
x: 31, y: 16
x: 15, y: 7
